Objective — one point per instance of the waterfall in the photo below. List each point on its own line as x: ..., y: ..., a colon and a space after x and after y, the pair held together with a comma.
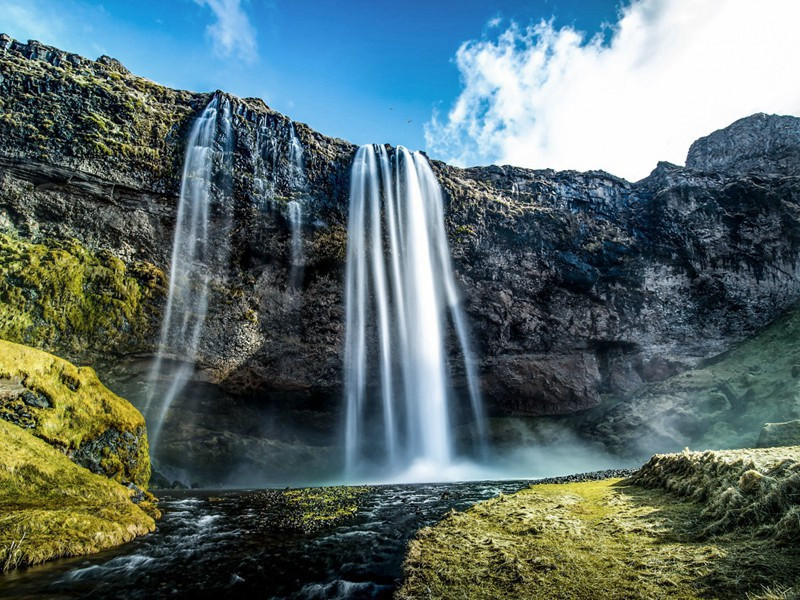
x: 295, y: 218
x: 296, y: 159
x: 399, y: 291
x: 194, y: 255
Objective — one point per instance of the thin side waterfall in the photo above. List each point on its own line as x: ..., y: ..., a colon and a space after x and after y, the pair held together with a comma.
x: 295, y: 218
x: 194, y: 254
x: 296, y: 159
x: 399, y: 291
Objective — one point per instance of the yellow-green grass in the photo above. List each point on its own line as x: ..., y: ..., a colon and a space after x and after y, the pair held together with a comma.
x: 598, y: 540
x: 51, y: 507
x: 82, y: 409
x: 758, y: 488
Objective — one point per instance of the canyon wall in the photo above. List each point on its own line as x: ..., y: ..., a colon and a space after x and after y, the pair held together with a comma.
x: 581, y: 289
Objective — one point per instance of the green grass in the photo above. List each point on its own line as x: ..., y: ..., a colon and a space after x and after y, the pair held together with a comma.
x: 607, y: 540
x: 51, y: 507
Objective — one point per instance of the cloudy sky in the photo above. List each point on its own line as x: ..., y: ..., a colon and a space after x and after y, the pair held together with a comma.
x: 574, y: 84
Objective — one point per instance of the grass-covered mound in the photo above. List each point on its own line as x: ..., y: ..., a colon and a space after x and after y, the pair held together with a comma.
x: 50, y: 507
x: 738, y: 488
x: 70, y: 409
x: 61, y: 297
x: 309, y: 509
x: 616, y: 539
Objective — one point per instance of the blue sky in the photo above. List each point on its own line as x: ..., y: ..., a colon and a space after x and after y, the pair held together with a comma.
x: 358, y: 70
x: 567, y: 84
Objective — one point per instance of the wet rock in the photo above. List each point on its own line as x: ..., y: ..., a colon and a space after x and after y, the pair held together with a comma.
x: 159, y: 481
x: 779, y: 434
x: 138, y: 495
x: 576, y: 286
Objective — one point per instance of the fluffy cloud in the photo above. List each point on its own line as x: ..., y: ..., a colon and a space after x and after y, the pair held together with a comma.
x: 669, y: 72
x: 232, y: 34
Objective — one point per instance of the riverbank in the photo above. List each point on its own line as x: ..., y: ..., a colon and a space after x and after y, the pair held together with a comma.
x: 713, y: 524
x: 74, y: 464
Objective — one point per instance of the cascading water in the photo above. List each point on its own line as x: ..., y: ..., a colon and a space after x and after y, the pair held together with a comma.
x: 296, y: 159
x: 194, y: 255
x: 295, y: 217
x: 399, y: 289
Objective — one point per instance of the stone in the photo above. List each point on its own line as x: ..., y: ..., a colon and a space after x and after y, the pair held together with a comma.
x: 779, y: 434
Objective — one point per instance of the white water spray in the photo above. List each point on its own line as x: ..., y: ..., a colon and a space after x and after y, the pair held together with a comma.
x: 193, y: 256
x: 399, y: 289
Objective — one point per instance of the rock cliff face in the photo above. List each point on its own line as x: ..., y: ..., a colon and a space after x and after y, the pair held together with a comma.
x: 580, y: 288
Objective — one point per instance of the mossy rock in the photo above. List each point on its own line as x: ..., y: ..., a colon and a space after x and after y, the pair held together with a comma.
x: 50, y: 507
x: 59, y: 296
x: 779, y: 434
x: 68, y: 407
x: 309, y: 509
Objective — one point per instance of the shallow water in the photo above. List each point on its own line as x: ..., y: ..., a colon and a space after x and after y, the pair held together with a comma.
x: 211, y: 544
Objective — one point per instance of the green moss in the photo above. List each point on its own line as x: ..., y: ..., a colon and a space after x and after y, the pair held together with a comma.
x: 50, y: 507
x: 601, y: 540
x: 119, y: 108
x: 730, y: 398
x: 309, y: 509
x: 81, y: 410
x: 59, y: 296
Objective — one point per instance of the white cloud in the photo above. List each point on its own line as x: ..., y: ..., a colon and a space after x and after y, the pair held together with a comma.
x: 232, y: 34
x: 26, y: 19
x: 672, y: 71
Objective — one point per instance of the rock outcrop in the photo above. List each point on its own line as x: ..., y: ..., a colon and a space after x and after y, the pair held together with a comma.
x: 578, y: 287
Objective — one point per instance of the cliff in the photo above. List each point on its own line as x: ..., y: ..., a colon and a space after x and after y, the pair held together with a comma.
x: 581, y: 289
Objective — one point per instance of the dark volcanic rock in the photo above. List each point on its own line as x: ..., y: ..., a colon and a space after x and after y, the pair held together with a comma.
x: 760, y: 144
x: 576, y: 286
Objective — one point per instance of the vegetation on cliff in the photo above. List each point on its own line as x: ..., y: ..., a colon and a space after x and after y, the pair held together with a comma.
x: 50, y: 507
x: 123, y: 117
x: 60, y: 296
x: 624, y: 539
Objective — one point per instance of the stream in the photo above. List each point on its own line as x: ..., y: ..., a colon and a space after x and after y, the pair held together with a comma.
x: 210, y: 544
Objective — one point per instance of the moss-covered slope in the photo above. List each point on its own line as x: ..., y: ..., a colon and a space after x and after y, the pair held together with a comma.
x: 721, y: 404
x: 71, y: 410
x: 625, y: 539
x: 59, y: 296
x: 50, y: 507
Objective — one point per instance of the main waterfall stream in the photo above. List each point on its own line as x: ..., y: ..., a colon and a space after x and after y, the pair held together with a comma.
x: 399, y: 292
